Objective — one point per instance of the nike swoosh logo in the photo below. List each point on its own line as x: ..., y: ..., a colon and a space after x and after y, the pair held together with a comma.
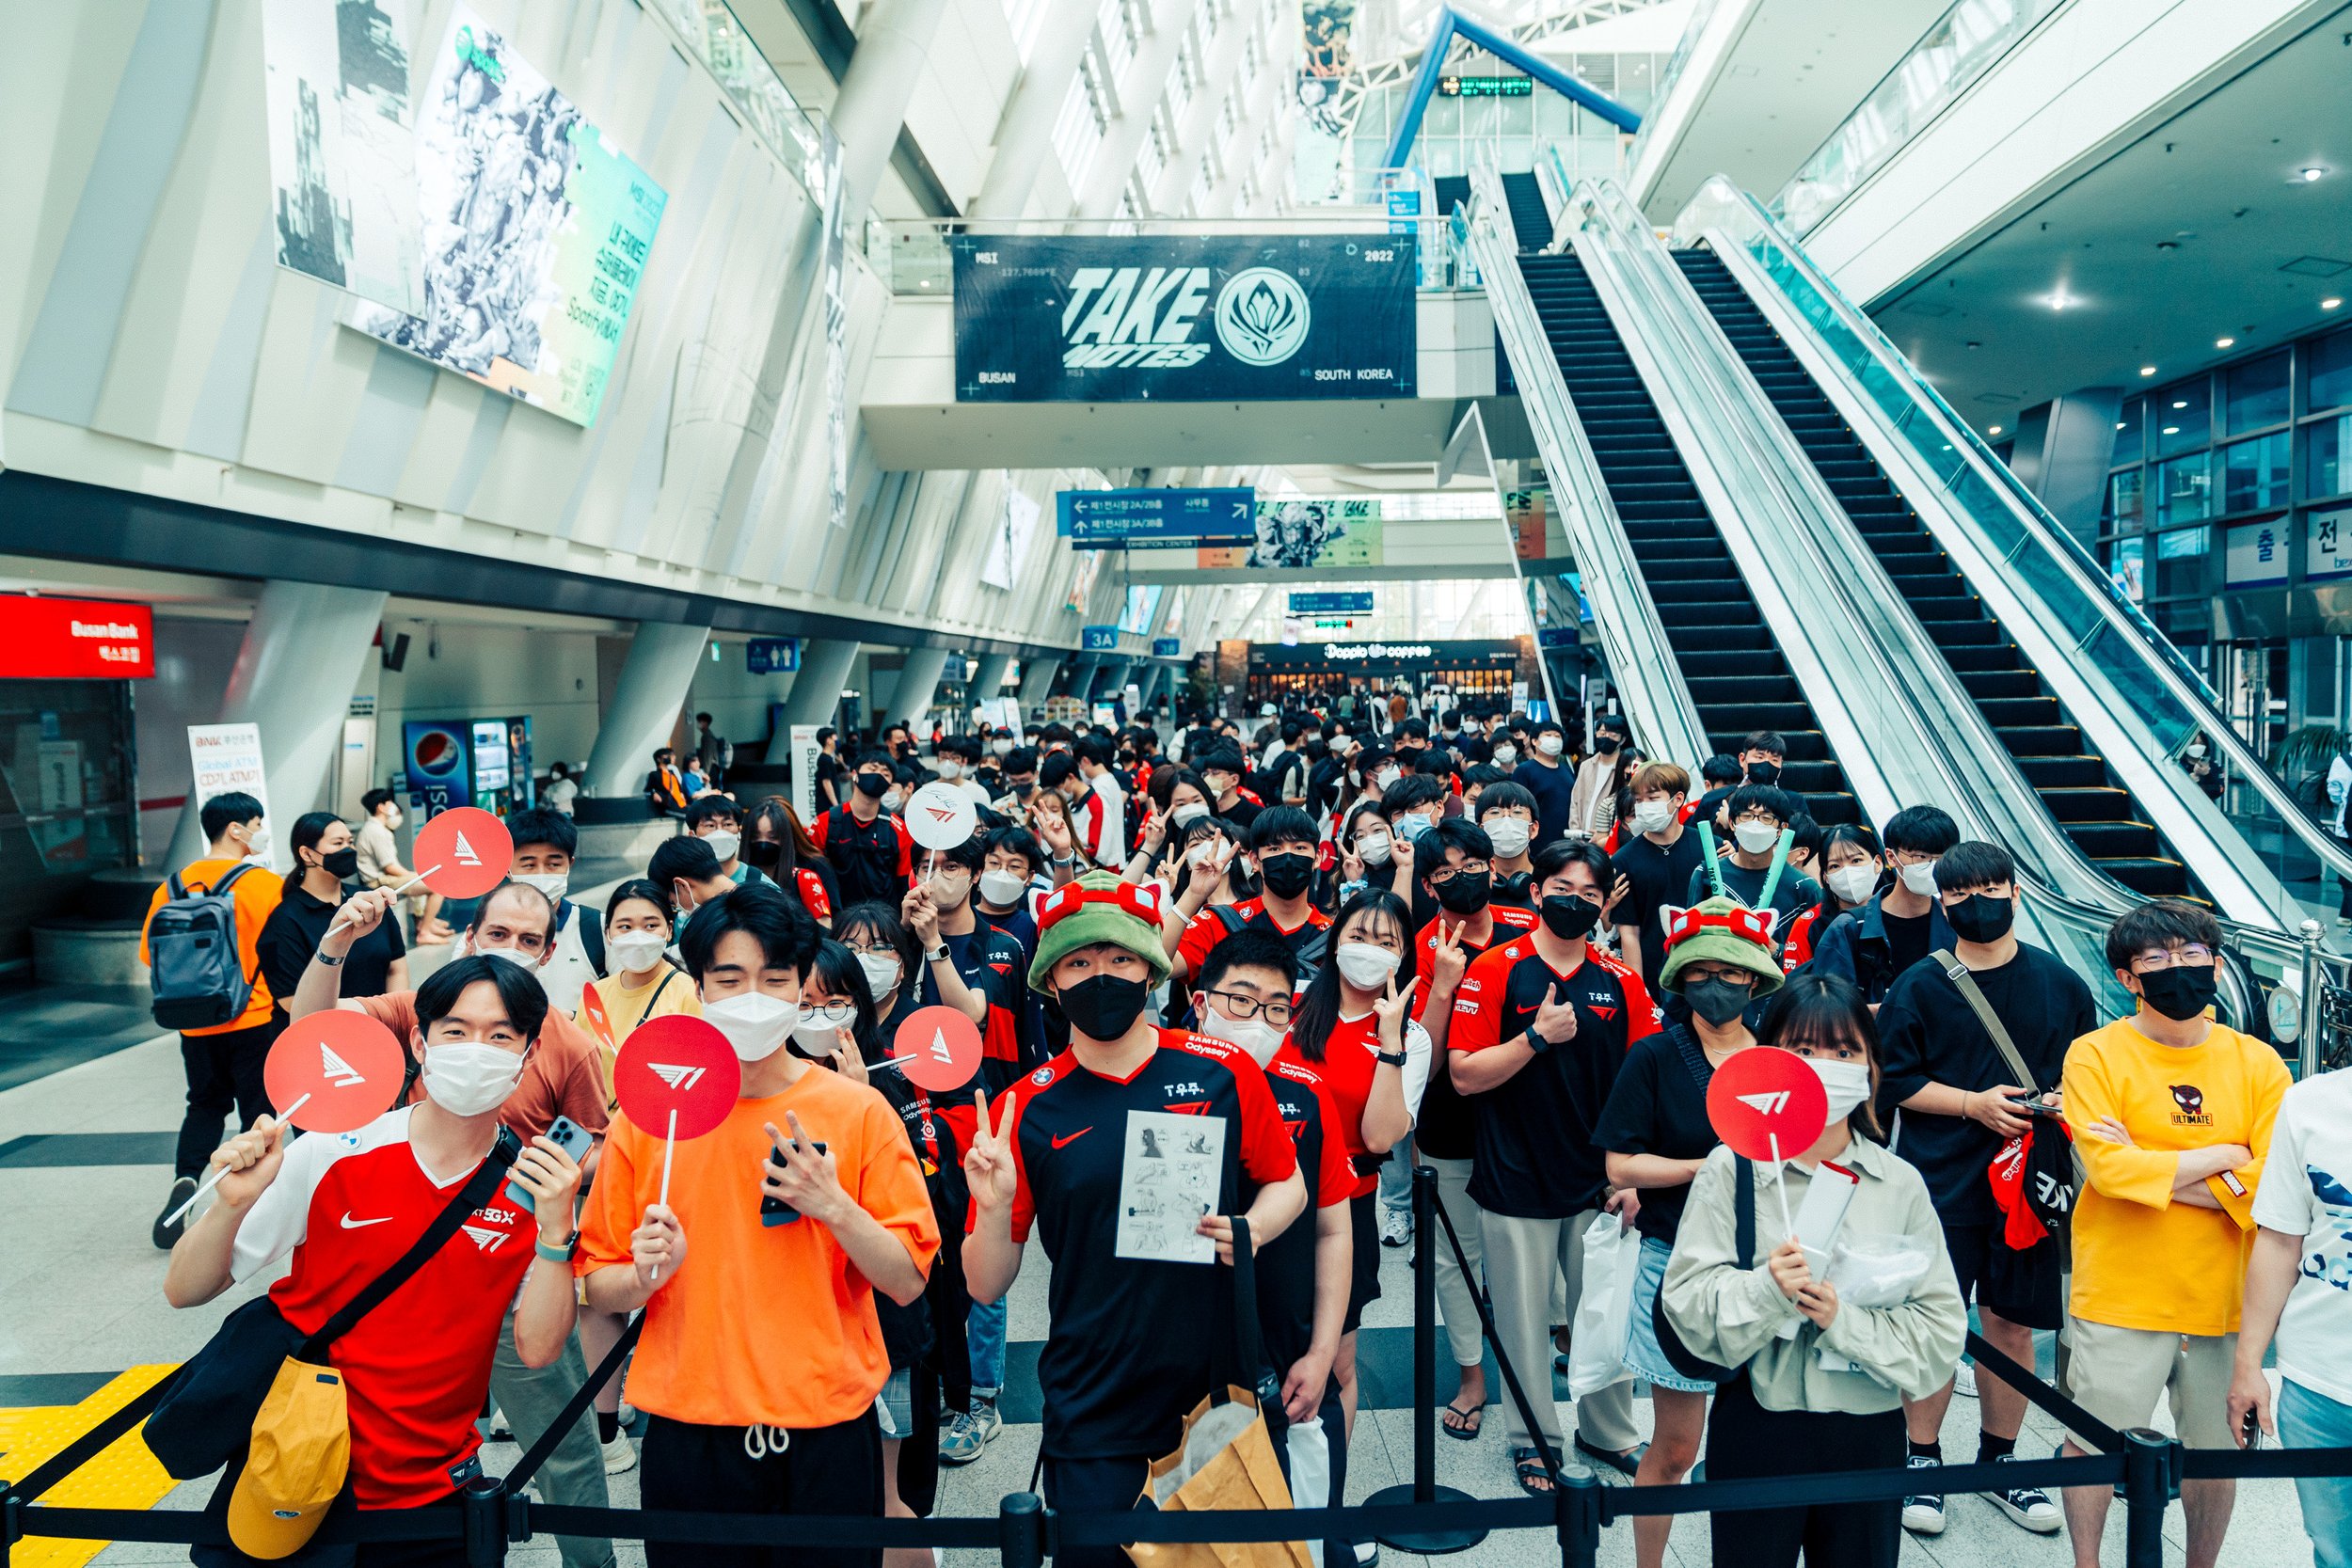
x: 1072, y: 1137
x: 350, y: 1223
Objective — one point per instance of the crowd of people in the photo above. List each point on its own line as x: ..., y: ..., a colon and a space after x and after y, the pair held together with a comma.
x: 1480, y: 941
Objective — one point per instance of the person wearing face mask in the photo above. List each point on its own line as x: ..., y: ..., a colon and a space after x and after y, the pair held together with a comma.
x: 1596, y: 775
x: 2172, y: 1114
x: 666, y: 790
x: 871, y: 853
x: 380, y: 865
x: 333, y: 1210
x: 742, y: 1418
x: 1656, y: 1134
x: 1719, y: 774
x: 1903, y: 922
x: 1283, y: 847
x: 1243, y: 996
x: 1011, y: 870
x: 1760, y: 814
x: 1821, y: 1379
x: 1957, y: 1098
x: 989, y: 962
x: 639, y: 929
x: 718, y: 821
x: 901, y: 967
x: 325, y: 860
x: 1179, y: 798
x: 1020, y: 776
x: 1129, y: 1344
x: 1368, y: 852
x: 545, y: 845
x: 1413, y: 805
x: 1507, y: 812
x: 1547, y: 1019
x: 687, y: 869
x: 1542, y: 774
x: 1656, y: 855
x: 957, y: 761
x: 1762, y: 753
x: 223, y: 1061
x: 777, y: 845
x: 1854, y: 868
x: 1222, y: 772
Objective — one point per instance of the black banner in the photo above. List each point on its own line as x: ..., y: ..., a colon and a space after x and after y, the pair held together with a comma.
x: 1184, y: 317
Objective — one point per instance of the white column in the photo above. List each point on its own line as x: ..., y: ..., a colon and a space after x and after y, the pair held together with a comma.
x: 645, y: 706
x: 871, y: 107
x: 987, y: 678
x: 293, y: 677
x: 816, y: 690
x: 919, y: 681
x: 1025, y: 133
x: 1037, y: 680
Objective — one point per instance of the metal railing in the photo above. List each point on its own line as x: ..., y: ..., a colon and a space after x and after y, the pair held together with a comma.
x: 718, y: 37
x: 913, y: 256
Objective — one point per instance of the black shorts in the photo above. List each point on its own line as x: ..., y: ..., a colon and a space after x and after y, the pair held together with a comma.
x: 1363, y: 1286
x: 2023, y: 1287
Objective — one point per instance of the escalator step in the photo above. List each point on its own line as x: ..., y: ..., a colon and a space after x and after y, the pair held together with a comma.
x: 2085, y: 804
x: 2157, y: 878
x: 2004, y: 713
x: 2045, y: 740
x: 2058, y: 772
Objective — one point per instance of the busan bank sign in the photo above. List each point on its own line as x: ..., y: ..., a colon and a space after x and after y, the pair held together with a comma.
x: 1378, y: 650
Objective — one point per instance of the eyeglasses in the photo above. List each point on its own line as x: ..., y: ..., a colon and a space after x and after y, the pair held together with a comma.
x: 1468, y: 868
x: 1241, y: 1009
x: 1757, y: 813
x: 2189, y: 955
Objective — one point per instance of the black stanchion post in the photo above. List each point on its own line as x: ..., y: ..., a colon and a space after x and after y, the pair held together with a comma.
x: 483, y: 1506
x: 1577, y: 1509
x: 11, y: 1521
x: 1021, y: 1529
x: 2150, y: 1483
x: 1425, y: 1487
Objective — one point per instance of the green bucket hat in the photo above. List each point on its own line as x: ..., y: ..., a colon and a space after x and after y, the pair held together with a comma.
x: 1726, y: 931
x: 1099, y: 907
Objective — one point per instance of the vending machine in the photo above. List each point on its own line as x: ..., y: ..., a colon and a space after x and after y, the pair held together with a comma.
x: 468, y: 762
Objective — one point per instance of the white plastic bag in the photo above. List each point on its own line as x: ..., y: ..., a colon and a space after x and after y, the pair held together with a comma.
x: 1309, y: 1457
x: 1604, y: 1311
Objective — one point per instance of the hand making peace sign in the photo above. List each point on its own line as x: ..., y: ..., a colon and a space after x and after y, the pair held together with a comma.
x: 987, y: 1167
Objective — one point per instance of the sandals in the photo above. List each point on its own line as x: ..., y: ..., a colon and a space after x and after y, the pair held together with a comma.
x: 1471, y: 1419
x: 1532, y: 1466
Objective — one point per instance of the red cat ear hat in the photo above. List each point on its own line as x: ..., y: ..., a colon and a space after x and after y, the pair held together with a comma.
x: 1723, y: 930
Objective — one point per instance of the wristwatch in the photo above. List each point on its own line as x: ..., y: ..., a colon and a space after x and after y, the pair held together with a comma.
x: 558, y: 1255
x: 331, y: 963
x: 1389, y: 1058
x: 1536, y: 1043
x: 937, y: 955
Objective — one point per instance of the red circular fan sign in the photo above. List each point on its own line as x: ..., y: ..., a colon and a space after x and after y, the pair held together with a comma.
x: 463, y: 853
x: 937, y: 1048
x: 1764, y: 1096
x: 334, y: 1071
x: 676, y: 1063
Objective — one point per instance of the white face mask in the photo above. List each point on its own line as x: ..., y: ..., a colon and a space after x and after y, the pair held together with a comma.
x: 891, y: 798
x: 1373, y: 849
x: 635, y: 951
x: 753, y: 1023
x: 1550, y: 745
x: 1385, y: 777
x: 1755, y: 838
x: 1001, y: 888
x: 1852, y: 883
x: 469, y: 1077
x: 392, y: 817
x: 1920, y: 877
x: 1187, y: 814
x: 1506, y: 756
x: 1651, y: 816
x: 257, y: 847
x: 1002, y: 748
x: 814, y: 1032
x: 526, y: 962
x: 724, y: 844
x: 553, y: 884
x: 881, y: 971
x: 1848, y: 1083
x: 1509, y: 834
x: 951, y: 771
x: 1199, y: 854
x: 1366, y: 966
x: 1255, y: 1035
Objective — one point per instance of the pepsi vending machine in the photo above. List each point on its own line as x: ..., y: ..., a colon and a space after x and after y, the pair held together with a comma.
x: 468, y: 762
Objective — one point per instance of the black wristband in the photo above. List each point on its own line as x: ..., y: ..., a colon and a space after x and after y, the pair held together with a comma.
x: 1536, y: 1043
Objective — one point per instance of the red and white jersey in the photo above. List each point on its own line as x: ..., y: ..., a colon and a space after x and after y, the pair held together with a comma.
x: 346, y: 1206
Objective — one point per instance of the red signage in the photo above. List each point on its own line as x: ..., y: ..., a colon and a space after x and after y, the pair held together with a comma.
x: 43, y: 639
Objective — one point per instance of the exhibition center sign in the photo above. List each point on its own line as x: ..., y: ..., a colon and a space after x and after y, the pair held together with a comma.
x: 1099, y: 318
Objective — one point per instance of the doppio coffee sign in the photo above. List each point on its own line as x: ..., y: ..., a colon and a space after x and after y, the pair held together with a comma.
x: 76, y: 639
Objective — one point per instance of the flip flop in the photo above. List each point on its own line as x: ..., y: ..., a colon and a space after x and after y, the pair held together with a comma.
x: 1472, y: 1420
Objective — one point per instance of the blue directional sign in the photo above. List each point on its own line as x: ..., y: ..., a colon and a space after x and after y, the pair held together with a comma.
x: 1098, y: 640
x: 1168, y: 647
x: 1555, y: 636
x: 1156, y: 519
x: 1331, y: 602
x: 773, y: 656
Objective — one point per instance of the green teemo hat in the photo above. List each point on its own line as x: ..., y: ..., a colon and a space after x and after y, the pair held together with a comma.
x: 1099, y: 907
x: 1726, y: 931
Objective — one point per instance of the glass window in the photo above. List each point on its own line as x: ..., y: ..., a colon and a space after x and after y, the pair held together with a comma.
x: 2127, y: 429
x: 2331, y: 457
x: 2182, y: 416
x: 2125, y: 559
x: 2254, y: 473
x: 2258, y: 393
x: 2331, y: 372
x: 2181, y: 560
x: 2183, y: 489
x: 2124, y: 499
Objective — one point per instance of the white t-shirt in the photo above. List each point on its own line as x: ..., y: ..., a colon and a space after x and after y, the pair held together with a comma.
x: 977, y: 791
x: 2306, y: 1190
x: 568, y: 973
x: 559, y: 793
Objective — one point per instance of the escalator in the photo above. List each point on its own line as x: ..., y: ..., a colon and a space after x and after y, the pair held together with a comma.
x: 2072, y: 782
x: 1530, y: 218
x: 1737, y: 677
x: 1451, y: 190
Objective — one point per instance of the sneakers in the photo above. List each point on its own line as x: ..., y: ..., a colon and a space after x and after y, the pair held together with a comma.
x: 968, y: 1431
x: 1923, y: 1512
x: 1964, y: 1381
x: 619, y: 1455
x: 2028, y: 1507
x: 1395, y: 1229
x: 168, y: 1236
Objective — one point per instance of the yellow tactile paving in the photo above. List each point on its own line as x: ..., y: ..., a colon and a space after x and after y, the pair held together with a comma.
x: 124, y: 1474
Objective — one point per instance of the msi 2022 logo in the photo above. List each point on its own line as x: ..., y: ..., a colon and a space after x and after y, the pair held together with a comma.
x: 1261, y: 316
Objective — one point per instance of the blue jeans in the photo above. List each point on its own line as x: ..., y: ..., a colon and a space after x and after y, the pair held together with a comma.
x: 2308, y: 1420
x: 984, y: 1328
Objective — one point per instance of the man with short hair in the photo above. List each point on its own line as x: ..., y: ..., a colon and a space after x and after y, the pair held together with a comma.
x: 1721, y: 774
x: 2173, y: 1115
x: 713, y: 752
x: 1762, y: 753
x: 687, y: 869
x: 1507, y: 812
x: 1595, y: 777
x: 1222, y: 769
x: 871, y: 853
x: 1759, y: 814
x: 1542, y: 775
x: 1903, y: 923
x: 957, y: 759
x: 1285, y: 844
x: 829, y: 769
x: 718, y: 821
x: 545, y: 843
x: 1656, y: 858
x: 1962, y: 1107
x: 1019, y: 773
x: 380, y: 866
x: 665, y: 786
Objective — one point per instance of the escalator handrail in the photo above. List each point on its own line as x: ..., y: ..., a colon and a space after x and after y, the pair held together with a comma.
x: 2162, y: 659
x: 1642, y: 664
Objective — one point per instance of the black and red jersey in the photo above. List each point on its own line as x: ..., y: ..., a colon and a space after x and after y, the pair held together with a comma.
x: 872, y: 860
x: 1535, y: 1157
x: 1445, y: 1129
x: 1306, y: 940
x: 1133, y: 1344
x: 1286, y: 1265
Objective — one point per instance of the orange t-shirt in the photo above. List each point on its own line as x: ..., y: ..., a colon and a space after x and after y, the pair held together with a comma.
x: 257, y: 893
x: 768, y: 1325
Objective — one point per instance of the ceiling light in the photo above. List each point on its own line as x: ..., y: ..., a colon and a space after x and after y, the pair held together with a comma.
x: 2330, y: 303
x: 2119, y: 424
x: 2146, y: 369
x: 1992, y: 430
x: 2171, y: 430
x: 2180, y: 402
x: 2223, y: 343
x: 2314, y: 173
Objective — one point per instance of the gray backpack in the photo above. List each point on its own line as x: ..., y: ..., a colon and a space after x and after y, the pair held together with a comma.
x: 199, y: 981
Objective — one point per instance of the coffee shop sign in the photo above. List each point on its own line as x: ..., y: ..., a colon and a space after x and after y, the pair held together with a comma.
x: 1378, y: 650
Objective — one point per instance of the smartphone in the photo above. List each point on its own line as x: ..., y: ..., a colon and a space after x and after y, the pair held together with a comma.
x: 2035, y: 1108
x: 572, y: 1139
x: 775, y: 1210
x: 2250, y: 1430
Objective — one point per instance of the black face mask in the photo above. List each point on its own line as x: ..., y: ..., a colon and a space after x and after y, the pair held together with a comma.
x: 1718, y: 1001
x: 872, y: 785
x: 1982, y: 917
x: 1104, y: 1006
x: 1567, y: 916
x: 341, y: 864
x: 1605, y: 745
x: 1763, y: 773
x: 1287, y: 876
x: 2179, y: 993
x: 1465, y: 893
x: 765, y: 854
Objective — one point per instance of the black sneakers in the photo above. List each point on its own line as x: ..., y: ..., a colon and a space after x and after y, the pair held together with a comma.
x: 166, y: 1236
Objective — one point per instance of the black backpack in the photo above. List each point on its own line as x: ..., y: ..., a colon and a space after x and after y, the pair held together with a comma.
x: 199, y: 981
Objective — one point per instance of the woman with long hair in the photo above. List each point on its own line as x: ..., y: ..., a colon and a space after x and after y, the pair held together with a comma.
x: 326, y: 857
x: 1368, y: 856
x: 779, y: 845
x: 1854, y: 868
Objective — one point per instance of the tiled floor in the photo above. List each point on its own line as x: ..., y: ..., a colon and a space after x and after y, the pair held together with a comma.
x: 85, y: 1301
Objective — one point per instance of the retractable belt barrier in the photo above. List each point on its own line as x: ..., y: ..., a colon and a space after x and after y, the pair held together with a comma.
x: 494, y: 1513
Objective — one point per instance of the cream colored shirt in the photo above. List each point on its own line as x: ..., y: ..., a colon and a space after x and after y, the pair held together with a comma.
x: 1735, y: 1317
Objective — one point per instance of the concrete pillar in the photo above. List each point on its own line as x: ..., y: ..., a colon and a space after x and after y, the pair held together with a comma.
x: 1025, y: 133
x: 1037, y: 680
x: 2061, y: 454
x: 1112, y: 675
x: 1149, y: 686
x: 1082, y: 672
x: 662, y: 660
x: 918, y: 681
x: 816, y: 690
x: 871, y: 107
x: 987, y: 679
x: 293, y: 677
